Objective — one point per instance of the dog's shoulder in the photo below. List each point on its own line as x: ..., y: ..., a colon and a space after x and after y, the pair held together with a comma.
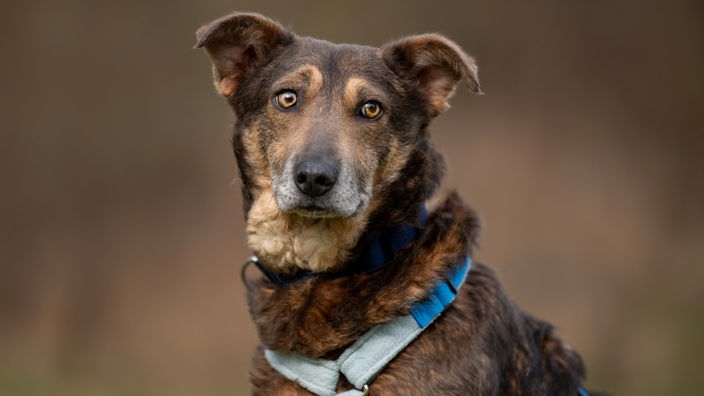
x: 485, y: 341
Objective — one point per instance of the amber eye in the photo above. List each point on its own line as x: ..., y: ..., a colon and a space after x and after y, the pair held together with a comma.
x: 371, y: 110
x: 286, y: 99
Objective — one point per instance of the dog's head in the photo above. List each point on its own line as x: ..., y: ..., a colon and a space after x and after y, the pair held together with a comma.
x: 327, y: 134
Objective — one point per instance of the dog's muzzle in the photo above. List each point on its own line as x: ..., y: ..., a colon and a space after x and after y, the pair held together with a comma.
x: 315, y: 186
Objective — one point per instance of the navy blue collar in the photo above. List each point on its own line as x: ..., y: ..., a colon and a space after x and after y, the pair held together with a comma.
x: 372, y: 255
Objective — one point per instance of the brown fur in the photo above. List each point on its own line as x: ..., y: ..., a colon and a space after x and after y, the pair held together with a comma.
x: 381, y: 170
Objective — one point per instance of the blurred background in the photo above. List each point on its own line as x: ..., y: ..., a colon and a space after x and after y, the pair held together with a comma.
x: 121, y: 233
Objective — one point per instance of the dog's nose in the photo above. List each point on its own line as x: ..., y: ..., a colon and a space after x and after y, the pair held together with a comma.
x: 315, y: 177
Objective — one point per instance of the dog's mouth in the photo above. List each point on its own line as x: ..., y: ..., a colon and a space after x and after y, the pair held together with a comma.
x: 322, y: 207
x: 315, y: 212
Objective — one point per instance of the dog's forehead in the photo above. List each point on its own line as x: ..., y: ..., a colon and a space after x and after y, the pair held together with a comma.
x: 336, y: 63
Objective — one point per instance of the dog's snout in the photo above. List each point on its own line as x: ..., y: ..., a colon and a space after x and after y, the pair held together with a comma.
x: 315, y: 177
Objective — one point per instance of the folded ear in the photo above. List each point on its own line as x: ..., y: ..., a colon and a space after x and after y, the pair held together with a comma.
x: 239, y: 43
x: 436, y: 63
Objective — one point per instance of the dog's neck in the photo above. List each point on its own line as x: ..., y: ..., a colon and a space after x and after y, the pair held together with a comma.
x: 373, y: 251
x: 320, y: 315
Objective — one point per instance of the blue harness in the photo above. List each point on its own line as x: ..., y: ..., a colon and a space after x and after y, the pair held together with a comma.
x: 374, y: 350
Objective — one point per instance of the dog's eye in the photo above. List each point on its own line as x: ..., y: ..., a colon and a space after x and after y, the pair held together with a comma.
x: 371, y: 110
x: 286, y: 99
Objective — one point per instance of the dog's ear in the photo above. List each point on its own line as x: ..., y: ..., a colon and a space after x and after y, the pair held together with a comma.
x: 436, y: 63
x: 239, y: 43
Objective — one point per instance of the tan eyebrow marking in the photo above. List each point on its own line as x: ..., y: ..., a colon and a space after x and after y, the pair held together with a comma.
x: 352, y: 88
x: 307, y: 74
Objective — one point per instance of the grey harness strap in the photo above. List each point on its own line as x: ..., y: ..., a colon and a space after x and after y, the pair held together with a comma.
x: 374, y: 350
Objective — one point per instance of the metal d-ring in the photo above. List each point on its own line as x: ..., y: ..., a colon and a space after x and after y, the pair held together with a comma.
x: 365, y: 390
x: 252, y: 260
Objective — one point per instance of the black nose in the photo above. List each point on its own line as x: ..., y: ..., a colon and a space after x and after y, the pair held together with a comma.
x: 315, y: 177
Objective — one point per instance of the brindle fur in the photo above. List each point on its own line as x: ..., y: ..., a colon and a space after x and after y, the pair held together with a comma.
x: 483, y: 344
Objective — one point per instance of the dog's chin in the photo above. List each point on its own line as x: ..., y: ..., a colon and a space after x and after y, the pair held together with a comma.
x: 317, y: 210
x: 316, y: 213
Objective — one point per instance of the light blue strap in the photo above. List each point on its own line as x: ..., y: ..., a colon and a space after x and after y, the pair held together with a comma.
x: 361, y: 362
x: 317, y: 375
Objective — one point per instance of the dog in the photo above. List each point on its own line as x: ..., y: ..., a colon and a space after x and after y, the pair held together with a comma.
x: 362, y: 290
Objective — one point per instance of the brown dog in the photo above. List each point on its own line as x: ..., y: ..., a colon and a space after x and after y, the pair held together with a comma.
x: 336, y: 165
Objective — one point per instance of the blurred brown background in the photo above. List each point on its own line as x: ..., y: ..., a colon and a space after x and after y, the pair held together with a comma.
x: 121, y: 233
